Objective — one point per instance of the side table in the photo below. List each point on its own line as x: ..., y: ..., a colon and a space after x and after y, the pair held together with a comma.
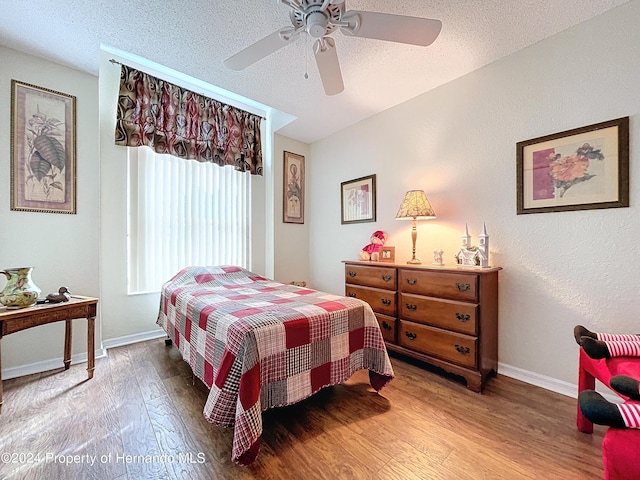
x: 12, y: 321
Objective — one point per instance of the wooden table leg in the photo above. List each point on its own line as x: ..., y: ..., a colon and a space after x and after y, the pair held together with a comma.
x: 91, y: 352
x: 0, y: 375
x: 67, y: 344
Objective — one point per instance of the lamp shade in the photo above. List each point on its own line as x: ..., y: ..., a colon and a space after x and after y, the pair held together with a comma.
x: 415, y: 205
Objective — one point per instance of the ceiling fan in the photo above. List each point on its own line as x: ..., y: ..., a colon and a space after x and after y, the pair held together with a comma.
x: 319, y: 19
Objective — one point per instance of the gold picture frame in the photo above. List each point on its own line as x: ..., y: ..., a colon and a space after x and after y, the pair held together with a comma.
x: 293, y: 188
x: 43, y: 149
x: 579, y: 169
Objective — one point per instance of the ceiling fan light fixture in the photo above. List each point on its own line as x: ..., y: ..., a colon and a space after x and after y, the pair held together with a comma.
x: 317, y: 24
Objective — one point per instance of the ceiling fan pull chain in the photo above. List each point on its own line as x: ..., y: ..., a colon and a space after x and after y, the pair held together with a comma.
x: 306, y: 57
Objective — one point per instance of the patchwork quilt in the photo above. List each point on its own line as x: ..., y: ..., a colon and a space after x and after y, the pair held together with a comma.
x: 258, y: 344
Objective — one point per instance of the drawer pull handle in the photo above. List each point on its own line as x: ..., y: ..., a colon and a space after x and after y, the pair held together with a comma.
x: 352, y: 274
x: 412, y: 281
x: 463, y: 287
x: 410, y: 336
x: 386, y: 278
x: 462, y: 317
x: 386, y: 326
x: 351, y: 294
x: 410, y: 306
x: 462, y: 350
x: 385, y: 301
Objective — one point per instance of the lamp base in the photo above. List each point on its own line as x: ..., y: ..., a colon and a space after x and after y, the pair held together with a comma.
x: 414, y: 261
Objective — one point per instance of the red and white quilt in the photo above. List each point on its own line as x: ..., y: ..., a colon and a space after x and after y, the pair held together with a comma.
x: 258, y: 344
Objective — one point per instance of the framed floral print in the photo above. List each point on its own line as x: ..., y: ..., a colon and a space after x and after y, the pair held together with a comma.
x: 579, y: 169
x: 43, y: 149
x: 293, y: 208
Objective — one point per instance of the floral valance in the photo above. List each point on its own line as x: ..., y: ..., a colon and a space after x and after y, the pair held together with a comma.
x: 179, y: 122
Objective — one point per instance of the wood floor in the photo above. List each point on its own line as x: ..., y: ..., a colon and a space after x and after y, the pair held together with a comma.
x: 141, y: 418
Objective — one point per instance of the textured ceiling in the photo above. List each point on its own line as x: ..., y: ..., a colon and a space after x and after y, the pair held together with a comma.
x: 195, y: 36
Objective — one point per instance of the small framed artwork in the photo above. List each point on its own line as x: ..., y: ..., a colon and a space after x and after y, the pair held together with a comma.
x: 43, y: 149
x: 579, y: 169
x: 388, y: 254
x: 293, y: 208
x: 358, y: 200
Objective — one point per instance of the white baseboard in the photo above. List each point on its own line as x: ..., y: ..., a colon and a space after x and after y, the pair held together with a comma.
x: 135, y: 338
x: 542, y: 381
x: 54, y: 363
x: 46, y: 365
x: 553, y: 384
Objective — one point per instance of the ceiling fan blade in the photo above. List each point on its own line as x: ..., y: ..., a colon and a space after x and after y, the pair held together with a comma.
x: 393, y: 28
x: 326, y: 55
x: 260, y: 49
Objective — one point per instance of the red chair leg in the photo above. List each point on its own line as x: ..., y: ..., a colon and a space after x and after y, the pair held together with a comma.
x: 586, y: 381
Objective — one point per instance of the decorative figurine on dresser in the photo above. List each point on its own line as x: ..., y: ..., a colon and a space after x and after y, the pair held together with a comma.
x: 470, y: 256
x: 437, y: 257
x: 446, y: 316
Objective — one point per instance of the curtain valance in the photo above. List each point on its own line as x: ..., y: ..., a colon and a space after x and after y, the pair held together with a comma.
x: 173, y: 120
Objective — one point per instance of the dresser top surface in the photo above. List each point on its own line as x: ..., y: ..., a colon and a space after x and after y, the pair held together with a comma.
x: 424, y: 267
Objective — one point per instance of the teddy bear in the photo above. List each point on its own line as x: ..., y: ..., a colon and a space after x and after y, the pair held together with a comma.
x: 372, y: 251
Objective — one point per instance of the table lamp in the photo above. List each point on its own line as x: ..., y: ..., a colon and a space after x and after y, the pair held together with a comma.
x: 415, y: 206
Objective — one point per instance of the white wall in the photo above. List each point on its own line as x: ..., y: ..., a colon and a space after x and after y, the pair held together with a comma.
x: 291, y: 239
x: 123, y: 315
x: 458, y: 143
x: 63, y: 249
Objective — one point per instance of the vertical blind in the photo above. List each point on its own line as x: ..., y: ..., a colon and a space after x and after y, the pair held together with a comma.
x: 184, y: 213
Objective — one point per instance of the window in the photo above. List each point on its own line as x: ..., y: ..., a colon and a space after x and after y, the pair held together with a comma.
x: 184, y: 213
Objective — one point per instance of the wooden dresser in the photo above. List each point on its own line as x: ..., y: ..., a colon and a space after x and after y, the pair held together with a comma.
x: 445, y: 316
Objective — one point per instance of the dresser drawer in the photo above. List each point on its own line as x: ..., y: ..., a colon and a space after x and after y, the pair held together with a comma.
x: 456, y: 286
x: 380, y: 277
x: 454, y: 347
x: 457, y: 316
x: 381, y: 301
x: 387, y: 327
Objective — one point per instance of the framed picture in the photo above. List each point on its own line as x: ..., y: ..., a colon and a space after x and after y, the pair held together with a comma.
x: 388, y: 254
x: 43, y: 149
x: 579, y: 169
x: 293, y: 185
x: 358, y: 199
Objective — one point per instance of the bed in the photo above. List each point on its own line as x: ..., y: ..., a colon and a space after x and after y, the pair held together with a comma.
x: 259, y: 344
